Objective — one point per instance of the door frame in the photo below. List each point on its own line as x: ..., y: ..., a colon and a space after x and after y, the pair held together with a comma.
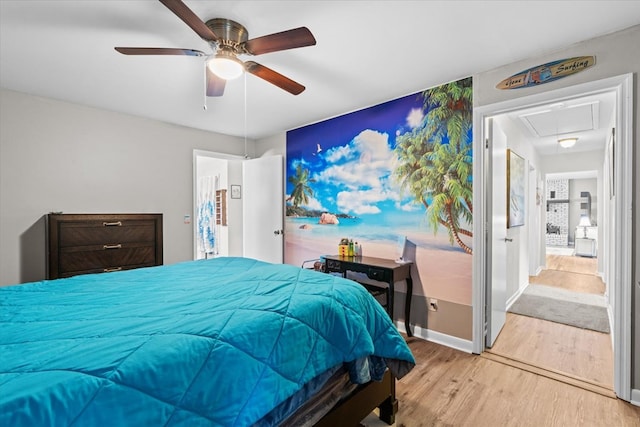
x: 622, y: 86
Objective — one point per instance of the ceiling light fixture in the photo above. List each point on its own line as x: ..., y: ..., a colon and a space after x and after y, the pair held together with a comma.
x: 225, y: 65
x: 567, y: 142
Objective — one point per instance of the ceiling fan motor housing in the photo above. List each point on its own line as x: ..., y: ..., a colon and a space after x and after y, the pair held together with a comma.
x: 230, y: 33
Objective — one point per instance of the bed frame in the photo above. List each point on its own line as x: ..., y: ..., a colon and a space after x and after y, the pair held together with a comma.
x: 365, y: 399
x: 351, y: 411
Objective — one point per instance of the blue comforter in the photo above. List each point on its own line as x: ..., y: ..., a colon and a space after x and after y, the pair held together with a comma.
x: 214, y: 342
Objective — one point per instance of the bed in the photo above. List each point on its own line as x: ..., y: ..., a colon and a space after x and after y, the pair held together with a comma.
x: 221, y: 342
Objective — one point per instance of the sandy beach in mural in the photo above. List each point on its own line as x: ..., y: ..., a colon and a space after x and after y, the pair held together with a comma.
x: 440, y: 270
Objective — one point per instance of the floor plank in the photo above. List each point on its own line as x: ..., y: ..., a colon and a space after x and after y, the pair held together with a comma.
x: 452, y: 388
x: 578, y: 282
x: 575, y: 264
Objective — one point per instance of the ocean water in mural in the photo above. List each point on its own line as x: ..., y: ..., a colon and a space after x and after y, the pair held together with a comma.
x: 401, y: 168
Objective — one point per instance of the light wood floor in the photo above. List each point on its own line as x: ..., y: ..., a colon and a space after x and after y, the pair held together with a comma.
x: 579, y: 352
x: 452, y: 388
x: 572, y: 273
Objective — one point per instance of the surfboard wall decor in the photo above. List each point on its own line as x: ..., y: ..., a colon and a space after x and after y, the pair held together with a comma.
x: 547, y: 72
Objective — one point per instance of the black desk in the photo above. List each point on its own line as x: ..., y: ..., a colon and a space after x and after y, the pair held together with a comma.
x: 380, y: 269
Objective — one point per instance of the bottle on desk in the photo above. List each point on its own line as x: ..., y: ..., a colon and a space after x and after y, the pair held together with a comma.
x: 343, y: 247
x: 351, y: 249
x: 357, y: 250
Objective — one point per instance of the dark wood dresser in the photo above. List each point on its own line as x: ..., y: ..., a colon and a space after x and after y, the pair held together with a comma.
x: 98, y: 243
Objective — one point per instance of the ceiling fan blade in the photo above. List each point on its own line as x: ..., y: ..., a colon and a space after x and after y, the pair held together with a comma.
x: 191, y: 19
x: 215, y: 84
x: 158, y: 51
x: 290, y: 39
x: 273, y: 77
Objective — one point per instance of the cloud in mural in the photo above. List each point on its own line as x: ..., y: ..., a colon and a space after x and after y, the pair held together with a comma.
x: 415, y: 117
x: 362, y: 167
x: 299, y: 161
x: 363, y: 201
x: 314, y: 204
x: 410, y: 207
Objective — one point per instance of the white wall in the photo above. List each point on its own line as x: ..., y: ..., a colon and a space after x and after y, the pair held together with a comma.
x: 519, y: 253
x: 56, y: 156
x: 234, y: 209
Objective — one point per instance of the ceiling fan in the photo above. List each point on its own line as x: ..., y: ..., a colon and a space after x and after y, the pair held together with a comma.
x: 228, y: 39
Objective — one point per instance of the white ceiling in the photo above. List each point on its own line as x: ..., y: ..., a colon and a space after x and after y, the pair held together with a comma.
x: 367, y: 52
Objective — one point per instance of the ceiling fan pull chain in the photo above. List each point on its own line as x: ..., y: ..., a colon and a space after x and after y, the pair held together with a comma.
x: 204, y: 94
x: 245, y: 116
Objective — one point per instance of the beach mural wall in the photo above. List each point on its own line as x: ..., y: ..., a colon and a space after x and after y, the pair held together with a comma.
x: 401, y: 168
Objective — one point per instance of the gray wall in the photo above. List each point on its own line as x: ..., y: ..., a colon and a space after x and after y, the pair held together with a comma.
x: 56, y: 156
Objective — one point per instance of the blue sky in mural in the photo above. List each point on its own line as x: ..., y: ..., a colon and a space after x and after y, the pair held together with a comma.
x: 351, y: 158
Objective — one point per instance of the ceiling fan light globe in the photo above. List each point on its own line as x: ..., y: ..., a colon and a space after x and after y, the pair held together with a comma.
x: 567, y: 142
x: 226, y: 67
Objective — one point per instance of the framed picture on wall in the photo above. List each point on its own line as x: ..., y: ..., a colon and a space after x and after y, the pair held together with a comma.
x: 235, y: 191
x: 515, y: 190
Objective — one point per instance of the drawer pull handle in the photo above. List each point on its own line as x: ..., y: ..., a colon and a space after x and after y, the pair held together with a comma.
x: 118, y: 246
x: 112, y: 224
x: 110, y: 270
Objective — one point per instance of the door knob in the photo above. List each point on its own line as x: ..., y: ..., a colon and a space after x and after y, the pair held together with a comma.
x: 276, y: 232
x: 506, y: 239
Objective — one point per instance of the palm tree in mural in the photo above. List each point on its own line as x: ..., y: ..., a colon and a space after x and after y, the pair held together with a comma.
x: 435, y: 159
x: 301, y: 189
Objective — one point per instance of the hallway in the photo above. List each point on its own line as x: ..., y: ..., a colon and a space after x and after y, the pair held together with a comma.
x: 577, y: 352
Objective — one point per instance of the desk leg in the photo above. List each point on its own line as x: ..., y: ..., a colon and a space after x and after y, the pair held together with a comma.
x: 390, y: 294
x: 407, y: 306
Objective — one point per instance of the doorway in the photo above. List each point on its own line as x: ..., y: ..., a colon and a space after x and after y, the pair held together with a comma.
x: 616, y: 252
x: 213, y: 172
x: 254, y: 206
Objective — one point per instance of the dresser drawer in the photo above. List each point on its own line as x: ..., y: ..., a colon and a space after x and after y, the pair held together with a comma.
x: 99, y: 259
x: 87, y: 233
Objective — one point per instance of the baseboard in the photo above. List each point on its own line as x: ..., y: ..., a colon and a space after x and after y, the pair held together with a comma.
x: 439, y: 338
x: 635, y: 396
x: 515, y: 296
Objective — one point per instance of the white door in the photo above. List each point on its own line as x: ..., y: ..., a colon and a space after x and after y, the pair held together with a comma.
x: 497, y: 275
x: 263, y: 209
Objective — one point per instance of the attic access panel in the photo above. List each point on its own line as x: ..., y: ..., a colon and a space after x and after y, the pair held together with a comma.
x: 572, y: 119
